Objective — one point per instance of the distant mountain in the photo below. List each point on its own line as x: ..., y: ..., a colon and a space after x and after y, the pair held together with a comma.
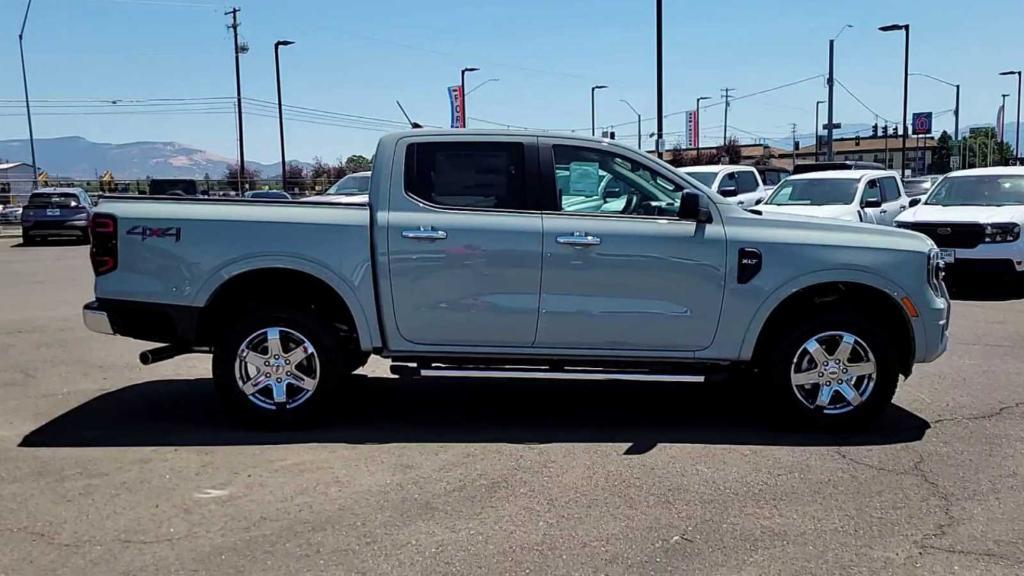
x: 76, y: 157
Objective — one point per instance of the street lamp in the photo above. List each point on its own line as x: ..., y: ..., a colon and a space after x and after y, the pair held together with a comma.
x: 1016, y: 147
x: 28, y: 109
x: 1002, y: 135
x: 462, y: 85
x: 696, y: 126
x: 280, y: 108
x: 639, y: 137
x: 956, y: 106
x: 480, y: 85
x: 817, y: 107
x: 906, y: 81
x: 831, y: 84
x: 593, y: 114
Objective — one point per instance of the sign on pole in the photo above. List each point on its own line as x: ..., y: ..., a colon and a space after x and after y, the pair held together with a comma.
x: 458, y: 112
x: 692, y: 128
x: 954, y: 162
x: 922, y: 123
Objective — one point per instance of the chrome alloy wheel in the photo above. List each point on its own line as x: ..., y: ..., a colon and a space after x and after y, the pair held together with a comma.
x: 833, y: 372
x: 277, y: 368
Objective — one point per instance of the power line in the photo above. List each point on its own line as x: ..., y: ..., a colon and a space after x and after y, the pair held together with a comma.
x: 861, y: 102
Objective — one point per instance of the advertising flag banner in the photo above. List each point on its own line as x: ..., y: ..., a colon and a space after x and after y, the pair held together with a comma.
x: 458, y: 112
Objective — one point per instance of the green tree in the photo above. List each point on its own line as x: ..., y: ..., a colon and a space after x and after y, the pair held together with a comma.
x: 982, y: 148
x: 357, y: 163
x: 942, y: 154
x: 247, y: 178
x: 296, y: 176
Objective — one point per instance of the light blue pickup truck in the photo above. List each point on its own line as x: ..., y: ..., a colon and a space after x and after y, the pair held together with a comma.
x: 518, y: 254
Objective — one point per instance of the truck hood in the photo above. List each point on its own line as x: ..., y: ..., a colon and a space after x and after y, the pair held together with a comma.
x: 844, y: 212
x: 788, y: 228
x: 973, y: 214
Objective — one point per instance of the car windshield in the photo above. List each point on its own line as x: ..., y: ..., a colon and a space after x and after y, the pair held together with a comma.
x: 917, y: 187
x: 814, y: 192
x: 272, y: 194
x: 53, y: 200
x: 705, y: 178
x: 989, y: 190
x: 351, y: 184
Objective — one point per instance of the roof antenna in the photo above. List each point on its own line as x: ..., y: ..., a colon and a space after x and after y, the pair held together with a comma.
x: 412, y: 124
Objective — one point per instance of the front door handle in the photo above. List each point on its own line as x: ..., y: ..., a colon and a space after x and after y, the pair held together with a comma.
x: 883, y: 211
x: 579, y: 239
x: 425, y: 233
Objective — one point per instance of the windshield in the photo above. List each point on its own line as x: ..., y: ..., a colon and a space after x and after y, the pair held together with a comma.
x: 994, y: 190
x: 814, y: 192
x: 53, y: 200
x: 351, y: 184
x: 168, y: 187
x: 917, y: 187
x: 705, y: 178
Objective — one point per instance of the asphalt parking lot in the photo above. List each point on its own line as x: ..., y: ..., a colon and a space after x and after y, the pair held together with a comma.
x: 107, y: 467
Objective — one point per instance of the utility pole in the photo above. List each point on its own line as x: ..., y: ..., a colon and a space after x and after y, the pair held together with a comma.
x: 817, y: 126
x: 28, y: 108
x: 830, y: 152
x: 639, y: 135
x: 696, y: 127
x: 238, y: 97
x: 593, y: 108
x: 906, y: 81
x: 725, y: 127
x: 793, y: 133
x: 659, y: 143
x: 280, y: 109
x: 1016, y: 147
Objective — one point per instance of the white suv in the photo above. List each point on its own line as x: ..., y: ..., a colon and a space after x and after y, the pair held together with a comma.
x: 975, y: 217
x: 739, y: 184
x: 873, y: 196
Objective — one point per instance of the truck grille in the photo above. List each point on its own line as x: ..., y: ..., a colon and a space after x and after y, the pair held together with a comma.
x: 952, y: 235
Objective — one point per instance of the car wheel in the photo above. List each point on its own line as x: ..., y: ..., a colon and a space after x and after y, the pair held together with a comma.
x: 276, y: 367
x: 836, y: 370
x: 29, y: 240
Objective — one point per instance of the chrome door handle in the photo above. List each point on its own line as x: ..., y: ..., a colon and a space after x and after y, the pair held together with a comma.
x: 579, y: 239
x: 883, y: 211
x: 425, y: 233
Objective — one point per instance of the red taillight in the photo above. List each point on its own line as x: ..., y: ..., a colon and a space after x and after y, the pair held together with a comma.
x: 103, y: 253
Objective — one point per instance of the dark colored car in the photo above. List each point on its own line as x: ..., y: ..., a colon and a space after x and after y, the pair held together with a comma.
x: 838, y: 165
x: 175, y: 187
x: 56, y: 213
x: 268, y: 194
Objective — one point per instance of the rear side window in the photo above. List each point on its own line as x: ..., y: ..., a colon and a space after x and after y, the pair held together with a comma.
x: 890, y: 189
x: 745, y: 182
x: 488, y: 175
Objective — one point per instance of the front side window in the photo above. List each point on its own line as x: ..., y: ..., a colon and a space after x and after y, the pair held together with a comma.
x: 481, y: 175
x: 872, y: 191
x: 994, y: 190
x: 351, y: 184
x: 814, y: 192
x: 598, y: 181
x: 890, y: 190
x: 745, y: 182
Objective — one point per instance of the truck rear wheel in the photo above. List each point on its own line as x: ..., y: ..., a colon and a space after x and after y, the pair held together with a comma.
x: 276, y: 366
x: 837, y: 369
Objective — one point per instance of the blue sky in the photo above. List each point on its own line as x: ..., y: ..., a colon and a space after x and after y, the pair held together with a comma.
x: 359, y: 57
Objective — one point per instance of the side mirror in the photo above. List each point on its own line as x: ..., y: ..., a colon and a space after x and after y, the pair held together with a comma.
x: 871, y: 203
x: 690, y: 208
x: 915, y: 201
x: 758, y: 201
x: 727, y: 191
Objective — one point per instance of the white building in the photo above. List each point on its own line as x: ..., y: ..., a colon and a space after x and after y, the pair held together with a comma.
x: 15, y: 182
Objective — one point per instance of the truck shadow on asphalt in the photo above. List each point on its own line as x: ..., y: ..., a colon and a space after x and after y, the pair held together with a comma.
x: 388, y: 410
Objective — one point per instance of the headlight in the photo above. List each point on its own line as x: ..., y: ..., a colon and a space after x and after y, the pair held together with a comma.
x: 1002, y: 233
x: 936, y: 271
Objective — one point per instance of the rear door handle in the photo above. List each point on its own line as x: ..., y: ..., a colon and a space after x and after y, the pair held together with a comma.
x: 579, y: 239
x: 425, y: 233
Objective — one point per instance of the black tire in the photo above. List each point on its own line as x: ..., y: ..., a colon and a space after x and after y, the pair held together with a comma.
x: 318, y: 332
x: 87, y: 238
x: 29, y: 240
x: 352, y: 360
x: 778, y: 363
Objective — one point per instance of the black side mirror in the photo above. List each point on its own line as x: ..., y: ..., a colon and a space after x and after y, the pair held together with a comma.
x: 758, y: 201
x: 915, y: 201
x: 690, y: 208
x: 871, y: 203
x: 727, y: 191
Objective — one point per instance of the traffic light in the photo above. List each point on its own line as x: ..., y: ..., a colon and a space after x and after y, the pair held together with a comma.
x: 874, y: 130
x: 856, y: 140
x: 895, y: 130
x: 885, y: 130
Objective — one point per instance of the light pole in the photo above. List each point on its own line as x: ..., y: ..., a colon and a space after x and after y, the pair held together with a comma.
x: 28, y: 108
x: 696, y: 127
x: 1016, y: 147
x: 659, y: 143
x: 593, y: 113
x: 906, y: 81
x: 462, y: 86
x: 280, y: 108
x: 639, y: 137
x: 817, y: 107
x: 829, y: 155
x: 956, y: 106
x: 1002, y: 129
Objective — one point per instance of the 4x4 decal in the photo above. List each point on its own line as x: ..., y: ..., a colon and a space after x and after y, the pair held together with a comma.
x: 144, y: 232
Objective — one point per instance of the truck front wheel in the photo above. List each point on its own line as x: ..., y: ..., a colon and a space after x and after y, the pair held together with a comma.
x: 836, y: 369
x: 275, y: 366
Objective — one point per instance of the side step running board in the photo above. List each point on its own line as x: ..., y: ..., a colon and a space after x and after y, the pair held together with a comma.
x: 406, y: 371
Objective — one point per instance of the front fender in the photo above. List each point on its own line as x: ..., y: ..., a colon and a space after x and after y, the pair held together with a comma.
x: 769, y: 304
x: 368, y: 335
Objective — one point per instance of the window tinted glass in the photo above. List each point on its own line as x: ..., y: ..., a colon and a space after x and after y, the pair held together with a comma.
x: 597, y: 181
x: 994, y: 190
x: 745, y: 182
x: 705, y: 178
x: 890, y: 190
x: 872, y: 191
x: 814, y: 192
x: 467, y: 174
x: 54, y: 199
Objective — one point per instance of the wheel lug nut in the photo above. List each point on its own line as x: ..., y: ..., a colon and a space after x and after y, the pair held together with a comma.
x: 267, y: 363
x: 278, y: 380
x: 287, y: 361
x: 277, y: 356
x: 821, y: 374
x: 845, y: 370
x: 268, y: 375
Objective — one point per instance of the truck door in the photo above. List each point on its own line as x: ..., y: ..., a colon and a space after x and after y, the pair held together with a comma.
x: 627, y: 275
x: 893, y: 201
x: 464, y: 242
